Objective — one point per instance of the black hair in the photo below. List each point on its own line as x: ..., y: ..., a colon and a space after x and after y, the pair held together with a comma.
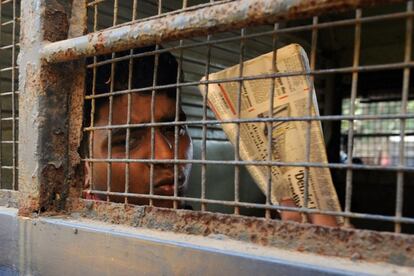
x: 143, y: 71
x: 142, y: 74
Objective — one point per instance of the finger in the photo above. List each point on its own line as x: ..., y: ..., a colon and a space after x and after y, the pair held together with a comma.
x: 320, y: 219
x: 290, y: 215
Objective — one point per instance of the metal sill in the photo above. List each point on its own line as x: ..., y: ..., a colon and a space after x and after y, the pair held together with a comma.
x: 67, y: 246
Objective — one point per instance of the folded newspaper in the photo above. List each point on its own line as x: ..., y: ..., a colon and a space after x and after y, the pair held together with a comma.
x: 291, y: 96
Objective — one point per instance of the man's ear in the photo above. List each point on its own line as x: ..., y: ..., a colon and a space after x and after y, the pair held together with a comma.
x: 87, y: 175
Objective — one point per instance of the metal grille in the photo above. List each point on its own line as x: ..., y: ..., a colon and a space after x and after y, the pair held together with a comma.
x: 376, y: 142
x: 9, y: 48
x: 346, y: 50
x: 107, y: 13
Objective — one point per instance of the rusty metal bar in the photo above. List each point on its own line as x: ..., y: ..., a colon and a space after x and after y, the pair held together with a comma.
x: 258, y: 163
x: 354, y: 87
x: 368, y: 68
x: 1, y: 109
x: 13, y: 100
x: 204, y: 130
x: 403, y: 111
x: 43, y: 128
x: 263, y: 120
x: 198, y: 21
x: 366, y: 245
x: 269, y: 125
x: 238, y: 109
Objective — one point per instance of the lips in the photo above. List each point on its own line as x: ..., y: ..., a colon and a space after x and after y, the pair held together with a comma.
x: 166, y: 186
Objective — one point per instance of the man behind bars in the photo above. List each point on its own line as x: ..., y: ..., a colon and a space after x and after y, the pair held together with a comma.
x: 140, y: 137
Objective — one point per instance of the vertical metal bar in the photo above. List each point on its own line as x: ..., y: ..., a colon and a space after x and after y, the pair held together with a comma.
x: 159, y: 7
x: 204, y: 131
x: 154, y: 84
x: 176, y: 127
x: 43, y: 178
x: 269, y: 126
x: 92, y: 115
x: 129, y: 96
x: 1, y: 109
x: 115, y: 19
x: 177, y: 118
x: 185, y: 4
x: 404, y: 96
x: 238, y: 107
x: 354, y: 86
x: 309, y: 104
x: 13, y: 90
x: 110, y: 113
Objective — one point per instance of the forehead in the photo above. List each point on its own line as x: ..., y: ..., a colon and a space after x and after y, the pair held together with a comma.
x: 164, y: 107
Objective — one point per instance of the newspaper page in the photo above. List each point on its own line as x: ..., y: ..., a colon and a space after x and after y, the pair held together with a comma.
x: 291, y: 96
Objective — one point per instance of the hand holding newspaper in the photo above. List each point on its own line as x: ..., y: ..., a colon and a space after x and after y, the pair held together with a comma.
x: 291, y: 96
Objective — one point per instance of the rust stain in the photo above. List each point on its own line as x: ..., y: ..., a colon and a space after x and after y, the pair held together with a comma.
x: 346, y: 243
x: 216, y: 18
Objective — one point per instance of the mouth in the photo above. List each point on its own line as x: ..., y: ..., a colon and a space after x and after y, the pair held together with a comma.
x: 166, y: 187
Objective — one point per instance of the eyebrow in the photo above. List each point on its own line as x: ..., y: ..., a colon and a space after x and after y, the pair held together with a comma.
x: 122, y: 131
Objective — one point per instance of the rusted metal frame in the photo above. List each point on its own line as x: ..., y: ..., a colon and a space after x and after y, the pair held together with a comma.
x: 44, y: 149
x: 76, y: 171
x: 403, y: 111
x: 346, y: 243
x: 258, y: 163
x: 217, y: 17
x: 323, y: 25
x: 233, y: 204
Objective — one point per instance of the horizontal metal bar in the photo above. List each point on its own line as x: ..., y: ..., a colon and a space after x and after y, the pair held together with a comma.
x: 8, y: 69
x: 9, y: 93
x: 253, y: 163
x: 257, y: 120
x: 197, y: 21
x: 9, y: 167
x: 10, y: 47
x: 259, y: 206
x: 215, y: 42
x: 10, y: 119
x: 140, y: 250
x: 96, y: 2
x: 375, y: 135
x: 9, y: 142
x: 9, y: 22
x: 6, y: 2
x: 368, y: 68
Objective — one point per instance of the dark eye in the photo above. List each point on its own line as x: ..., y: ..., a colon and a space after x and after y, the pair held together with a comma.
x: 169, y: 131
x: 119, y: 140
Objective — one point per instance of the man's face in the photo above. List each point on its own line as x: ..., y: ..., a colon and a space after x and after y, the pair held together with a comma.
x: 140, y: 148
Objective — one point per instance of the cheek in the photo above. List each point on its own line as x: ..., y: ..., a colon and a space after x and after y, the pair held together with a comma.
x: 139, y: 177
x: 186, y: 148
x: 99, y: 175
x: 186, y: 153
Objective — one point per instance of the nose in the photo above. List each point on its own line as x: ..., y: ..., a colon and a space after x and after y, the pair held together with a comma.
x: 163, y: 147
